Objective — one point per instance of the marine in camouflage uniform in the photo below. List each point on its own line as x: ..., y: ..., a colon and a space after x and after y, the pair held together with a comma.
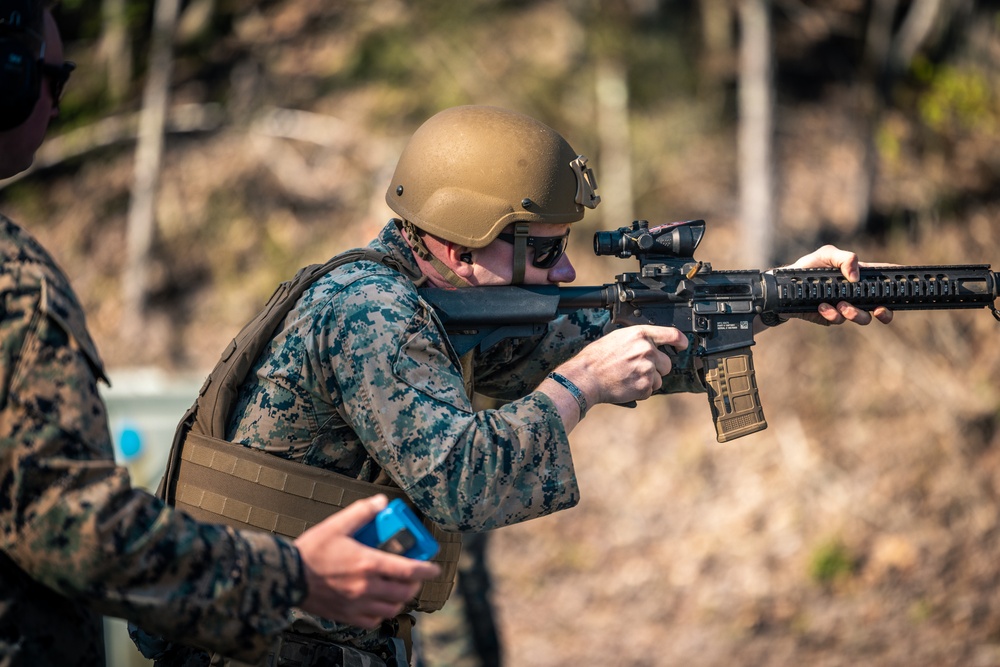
x: 76, y: 540
x: 362, y: 380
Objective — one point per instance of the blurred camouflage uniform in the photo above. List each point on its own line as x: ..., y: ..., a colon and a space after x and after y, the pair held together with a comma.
x: 76, y: 540
x: 362, y: 380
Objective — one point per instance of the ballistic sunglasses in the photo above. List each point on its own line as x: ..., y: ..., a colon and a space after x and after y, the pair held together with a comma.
x: 548, y: 249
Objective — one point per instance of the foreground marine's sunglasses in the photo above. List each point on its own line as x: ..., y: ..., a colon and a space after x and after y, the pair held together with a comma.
x: 548, y: 249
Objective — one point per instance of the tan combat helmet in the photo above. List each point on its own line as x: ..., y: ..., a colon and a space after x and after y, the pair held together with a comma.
x: 468, y: 172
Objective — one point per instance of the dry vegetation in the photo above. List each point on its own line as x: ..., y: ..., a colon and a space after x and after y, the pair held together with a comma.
x: 860, y: 528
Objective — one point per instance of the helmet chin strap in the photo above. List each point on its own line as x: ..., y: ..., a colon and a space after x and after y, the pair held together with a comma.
x: 421, y: 250
x: 520, y: 252
x: 520, y: 261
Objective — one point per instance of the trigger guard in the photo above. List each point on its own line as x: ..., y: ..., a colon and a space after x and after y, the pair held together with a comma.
x: 686, y: 370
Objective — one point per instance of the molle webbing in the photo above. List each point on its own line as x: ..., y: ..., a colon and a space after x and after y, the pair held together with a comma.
x: 248, y: 488
x: 222, y: 482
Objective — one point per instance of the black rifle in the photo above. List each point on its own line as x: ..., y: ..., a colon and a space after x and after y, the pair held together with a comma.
x: 715, y: 309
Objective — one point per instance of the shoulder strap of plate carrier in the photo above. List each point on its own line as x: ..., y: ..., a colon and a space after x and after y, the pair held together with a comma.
x: 216, y: 481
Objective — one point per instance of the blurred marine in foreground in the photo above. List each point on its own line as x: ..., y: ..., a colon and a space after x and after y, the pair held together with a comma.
x: 76, y: 540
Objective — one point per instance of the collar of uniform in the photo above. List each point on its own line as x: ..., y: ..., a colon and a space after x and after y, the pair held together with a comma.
x: 391, y: 240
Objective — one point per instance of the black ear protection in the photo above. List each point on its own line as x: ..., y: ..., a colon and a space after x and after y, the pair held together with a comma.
x: 465, y: 257
x: 21, y: 47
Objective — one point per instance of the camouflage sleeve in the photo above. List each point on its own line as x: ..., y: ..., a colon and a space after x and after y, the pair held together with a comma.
x: 70, y: 519
x: 404, y: 396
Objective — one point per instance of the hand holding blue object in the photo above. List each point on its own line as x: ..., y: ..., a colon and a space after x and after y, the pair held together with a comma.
x: 397, y: 529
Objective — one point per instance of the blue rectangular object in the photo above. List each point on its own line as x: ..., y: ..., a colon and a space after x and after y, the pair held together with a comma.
x: 397, y: 529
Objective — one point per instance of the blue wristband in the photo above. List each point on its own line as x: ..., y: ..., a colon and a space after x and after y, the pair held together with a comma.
x: 581, y: 400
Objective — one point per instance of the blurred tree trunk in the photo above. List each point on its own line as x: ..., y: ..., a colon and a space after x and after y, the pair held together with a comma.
x: 610, y: 27
x: 116, y: 49
x: 716, y: 61
x: 756, y: 132
x: 615, y: 173
x: 871, y: 92
x: 887, y: 56
x: 914, y: 31
x: 148, y: 155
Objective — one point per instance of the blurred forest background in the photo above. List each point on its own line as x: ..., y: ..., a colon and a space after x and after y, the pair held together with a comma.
x: 209, y: 148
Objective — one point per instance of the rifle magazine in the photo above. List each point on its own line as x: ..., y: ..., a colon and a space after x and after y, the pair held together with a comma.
x: 732, y: 395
